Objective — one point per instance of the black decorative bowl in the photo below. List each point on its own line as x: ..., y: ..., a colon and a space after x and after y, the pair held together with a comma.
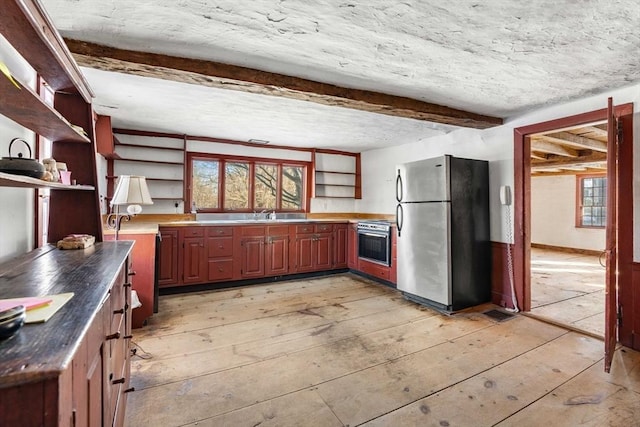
x: 11, y: 320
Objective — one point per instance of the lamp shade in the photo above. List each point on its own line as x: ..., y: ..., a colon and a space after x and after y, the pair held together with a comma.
x: 131, y: 189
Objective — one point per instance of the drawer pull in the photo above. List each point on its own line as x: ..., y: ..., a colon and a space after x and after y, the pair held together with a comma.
x: 121, y: 311
x: 132, y: 273
x: 127, y: 337
x: 129, y: 390
x: 126, y: 285
x: 113, y: 336
x: 118, y: 381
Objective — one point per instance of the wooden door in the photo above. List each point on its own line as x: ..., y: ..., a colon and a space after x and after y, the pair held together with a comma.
x: 323, y: 255
x: 277, y: 256
x: 340, y: 247
x: 193, y: 260
x: 252, y: 257
x: 611, y: 302
x: 168, y: 268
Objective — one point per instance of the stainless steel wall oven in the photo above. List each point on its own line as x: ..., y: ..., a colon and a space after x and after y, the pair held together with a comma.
x: 374, y: 241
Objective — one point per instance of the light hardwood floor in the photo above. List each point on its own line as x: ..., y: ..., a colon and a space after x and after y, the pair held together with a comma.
x: 568, y: 288
x: 342, y: 350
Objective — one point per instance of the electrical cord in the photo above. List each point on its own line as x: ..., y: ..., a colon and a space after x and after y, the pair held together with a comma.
x: 514, y: 300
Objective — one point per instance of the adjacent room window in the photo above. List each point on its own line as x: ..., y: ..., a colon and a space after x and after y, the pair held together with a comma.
x: 246, y: 185
x: 592, y: 201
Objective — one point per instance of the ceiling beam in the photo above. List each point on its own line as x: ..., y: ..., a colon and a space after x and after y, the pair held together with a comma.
x: 576, y: 141
x: 233, y: 77
x: 603, y: 133
x: 547, y: 147
x: 555, y: 160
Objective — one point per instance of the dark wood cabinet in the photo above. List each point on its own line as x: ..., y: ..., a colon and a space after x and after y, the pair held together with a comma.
x: 168, y: 257
x: 303, y: 253
x: 73, y: 209
x: 72, y: 370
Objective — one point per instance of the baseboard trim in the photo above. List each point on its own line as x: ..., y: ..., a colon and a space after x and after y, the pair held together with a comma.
x: 566, y: 249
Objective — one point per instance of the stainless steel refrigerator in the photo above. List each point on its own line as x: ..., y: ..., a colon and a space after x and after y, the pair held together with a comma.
x: 444, y: 251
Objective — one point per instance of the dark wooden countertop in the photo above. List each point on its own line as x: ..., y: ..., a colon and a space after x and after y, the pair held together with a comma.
x: 39, y: 351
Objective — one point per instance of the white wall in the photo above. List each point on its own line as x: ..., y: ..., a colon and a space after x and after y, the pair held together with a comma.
x: 553, y: 209
x: 494, y: 145
x: 16, y: 214
x: 165, y: 189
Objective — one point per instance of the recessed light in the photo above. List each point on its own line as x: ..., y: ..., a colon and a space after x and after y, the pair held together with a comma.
x: 258, y: 141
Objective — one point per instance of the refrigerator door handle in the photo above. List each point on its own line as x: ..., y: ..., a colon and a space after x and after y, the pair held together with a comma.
x: 399, y: 218
x: 399, y: 189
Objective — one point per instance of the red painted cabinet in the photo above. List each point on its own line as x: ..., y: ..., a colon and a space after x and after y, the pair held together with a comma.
x: 313, y: 248
x: 340, y: 245
x: 277, y: 250
x: 194, y: 256
x: 252, y: 257
x: 220, y: 249
x: 352, y: 247
x: 168, y: 258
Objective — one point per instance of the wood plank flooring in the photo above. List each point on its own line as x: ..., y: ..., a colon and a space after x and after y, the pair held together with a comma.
x: 568, y: 288
x: 344, y: 351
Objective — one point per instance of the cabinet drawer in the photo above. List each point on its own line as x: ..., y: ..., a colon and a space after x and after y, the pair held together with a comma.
x: 323, y: 228
x: 220, y: 247
x: 220, y: 269
x: 252, y: 230
x: 376, y: 270
x: 220, y: 231
x: 278, y: 230
x: 306, y: 228
x: 193, y: 232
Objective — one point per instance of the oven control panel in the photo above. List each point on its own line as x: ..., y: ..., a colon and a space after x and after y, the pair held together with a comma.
x: 380, y: 226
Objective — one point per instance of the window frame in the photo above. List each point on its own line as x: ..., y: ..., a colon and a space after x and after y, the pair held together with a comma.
x: 579, y: 197
x: 252, y: 161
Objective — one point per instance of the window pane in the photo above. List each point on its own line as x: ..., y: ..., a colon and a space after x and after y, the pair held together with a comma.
x: 594, y: 200
x: 236, y: 186
x: 205, y: 174
x: 266, y: 186
x: 292, y: 190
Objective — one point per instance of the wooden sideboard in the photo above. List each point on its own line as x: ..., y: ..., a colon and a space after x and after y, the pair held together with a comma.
x: 74, y: 369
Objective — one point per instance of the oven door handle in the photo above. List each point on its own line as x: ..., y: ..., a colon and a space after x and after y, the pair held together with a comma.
x: 399, y: 218
x: 372, y: 234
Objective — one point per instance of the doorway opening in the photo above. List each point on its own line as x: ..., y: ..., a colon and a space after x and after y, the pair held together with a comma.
x: 621, y: 314
x: 568, y: 218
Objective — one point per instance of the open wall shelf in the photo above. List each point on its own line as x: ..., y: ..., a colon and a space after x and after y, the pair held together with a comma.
x: 25, y: 107
x: 10, y: 180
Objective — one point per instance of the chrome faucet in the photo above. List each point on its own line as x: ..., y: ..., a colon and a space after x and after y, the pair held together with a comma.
x: 255, y: 214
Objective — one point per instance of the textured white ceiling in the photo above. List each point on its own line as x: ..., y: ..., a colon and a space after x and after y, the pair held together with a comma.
x: 498, y: 57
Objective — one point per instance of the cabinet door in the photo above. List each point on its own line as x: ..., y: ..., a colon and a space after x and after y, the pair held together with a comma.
x: 340, y: 246
x: 168, y: 268
x: 304, y: 253
x: 193, y: 259
x: 323, y: 252
x: 252, y: 257
x: 277, y: 256
x: 352, y: 251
